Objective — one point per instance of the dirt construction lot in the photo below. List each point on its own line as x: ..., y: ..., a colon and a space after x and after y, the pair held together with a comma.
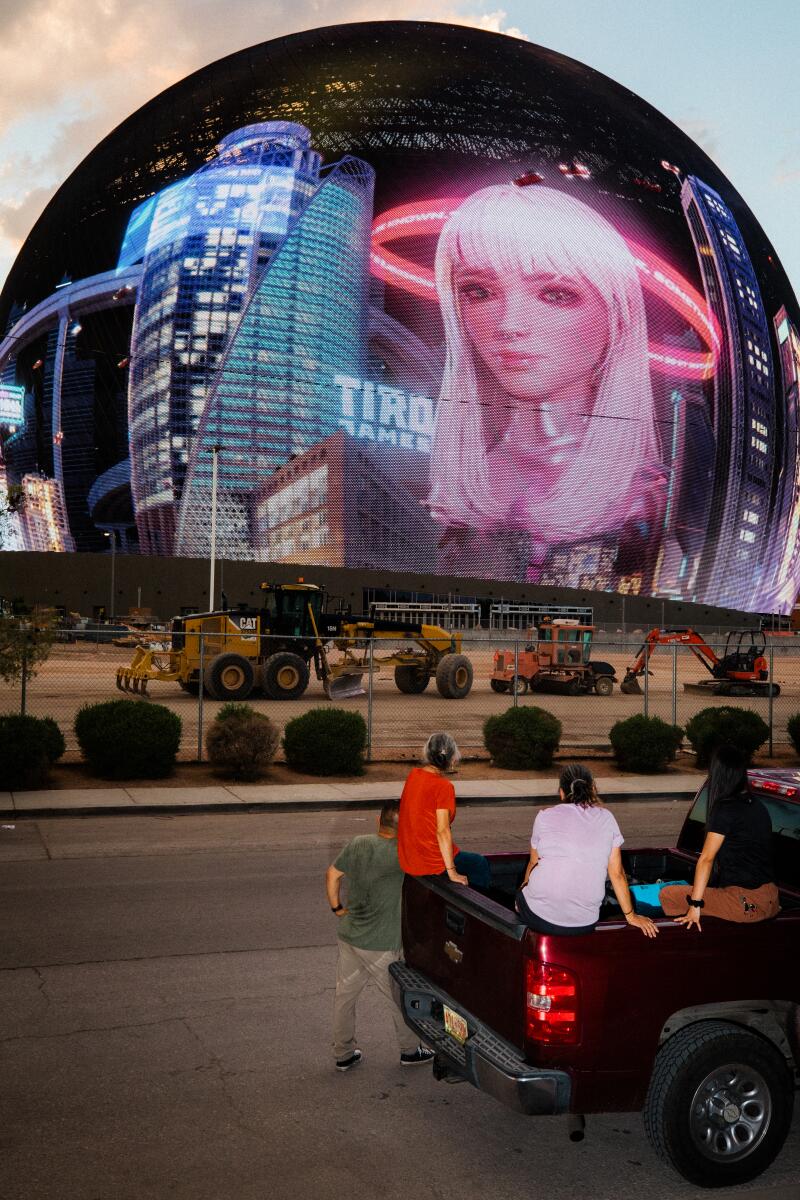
x: 76, y: 675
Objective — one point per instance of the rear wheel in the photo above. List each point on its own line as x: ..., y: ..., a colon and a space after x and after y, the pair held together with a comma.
x: 411, y: 680
x: 284, y: 676
x: 229, y: 677
x: 499, y: 685
x: 719, y: 1105
x: 518, y: 685
x: 604, y: 685
x: 454, y: 676
x: 574, y: 688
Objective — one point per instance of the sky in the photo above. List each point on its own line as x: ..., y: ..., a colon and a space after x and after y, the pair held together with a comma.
x: 725, y: 71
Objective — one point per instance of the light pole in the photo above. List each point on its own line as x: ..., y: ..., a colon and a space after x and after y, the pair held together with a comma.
x: 112, y: 534
x: 214, y: 456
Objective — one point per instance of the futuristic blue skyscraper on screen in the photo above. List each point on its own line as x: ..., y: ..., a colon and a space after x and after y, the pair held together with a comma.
x: 206, y: 243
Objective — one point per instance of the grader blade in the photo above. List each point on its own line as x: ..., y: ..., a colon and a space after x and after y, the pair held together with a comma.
x: 344, y: 686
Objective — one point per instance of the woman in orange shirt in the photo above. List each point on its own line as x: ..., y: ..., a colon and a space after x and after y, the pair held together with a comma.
x: 425, y: 843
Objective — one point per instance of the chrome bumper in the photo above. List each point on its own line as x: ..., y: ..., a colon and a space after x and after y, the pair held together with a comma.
x: 485, y: 1060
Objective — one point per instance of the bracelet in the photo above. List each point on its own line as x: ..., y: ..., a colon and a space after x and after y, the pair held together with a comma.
x: 338, y: 908
x: 695, y: 903
x: 628, y: 913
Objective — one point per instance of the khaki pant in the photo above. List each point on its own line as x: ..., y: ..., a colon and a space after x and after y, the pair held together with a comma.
x: 744, y: 905
x: 356, y: 968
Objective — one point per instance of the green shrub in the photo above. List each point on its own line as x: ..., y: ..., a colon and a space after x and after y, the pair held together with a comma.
x: 712, y: 727
x: 326, y: 741
x: 645, y: 744
x: 28, y: 748
x: 522, y: 739
x: 128, y: 739
x: 793, y: 729
x: 241, y: 742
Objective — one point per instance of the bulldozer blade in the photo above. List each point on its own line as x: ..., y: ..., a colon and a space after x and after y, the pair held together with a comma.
x: 344, y: 686
x: 630, y: 686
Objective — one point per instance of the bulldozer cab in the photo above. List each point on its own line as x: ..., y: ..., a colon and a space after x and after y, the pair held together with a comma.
x: 286, y: 608
x: 565, y: 644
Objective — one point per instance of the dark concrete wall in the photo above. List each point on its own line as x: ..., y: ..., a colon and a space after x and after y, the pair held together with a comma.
x: 81, y: 581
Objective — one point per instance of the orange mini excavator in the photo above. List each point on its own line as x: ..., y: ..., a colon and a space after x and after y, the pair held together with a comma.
x: 742, y: 670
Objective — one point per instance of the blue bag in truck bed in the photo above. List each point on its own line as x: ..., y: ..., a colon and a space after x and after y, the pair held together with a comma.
x: 645, y: 896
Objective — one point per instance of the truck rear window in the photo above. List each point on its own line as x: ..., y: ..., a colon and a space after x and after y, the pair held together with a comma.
x: 785, y: 818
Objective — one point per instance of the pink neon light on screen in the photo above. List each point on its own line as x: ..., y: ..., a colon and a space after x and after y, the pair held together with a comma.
x: 427, y: 217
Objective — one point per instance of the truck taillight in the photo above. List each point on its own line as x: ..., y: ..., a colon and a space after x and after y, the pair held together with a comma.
x: 551, y: 1004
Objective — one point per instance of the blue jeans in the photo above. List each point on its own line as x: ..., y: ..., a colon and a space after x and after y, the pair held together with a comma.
x: 475, y: 867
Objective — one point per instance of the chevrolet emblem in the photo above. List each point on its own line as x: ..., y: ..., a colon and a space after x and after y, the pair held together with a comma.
x: 453, y: 952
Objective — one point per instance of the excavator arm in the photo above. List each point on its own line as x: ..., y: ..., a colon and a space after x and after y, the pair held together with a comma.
x: 667, y: 637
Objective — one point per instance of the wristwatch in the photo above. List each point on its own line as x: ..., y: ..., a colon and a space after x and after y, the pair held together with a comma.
x: 695, y: 903
x: 338, y: 908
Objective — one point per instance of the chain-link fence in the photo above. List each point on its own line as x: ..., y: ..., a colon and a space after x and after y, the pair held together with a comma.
x: 676, y: 686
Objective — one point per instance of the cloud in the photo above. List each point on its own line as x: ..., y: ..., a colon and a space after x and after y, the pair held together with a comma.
x: 72, y: 70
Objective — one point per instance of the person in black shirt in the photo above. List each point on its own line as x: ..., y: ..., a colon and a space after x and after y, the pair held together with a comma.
x: 736, y: 859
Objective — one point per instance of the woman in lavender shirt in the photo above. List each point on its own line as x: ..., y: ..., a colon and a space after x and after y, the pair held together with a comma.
x: 573, y: 847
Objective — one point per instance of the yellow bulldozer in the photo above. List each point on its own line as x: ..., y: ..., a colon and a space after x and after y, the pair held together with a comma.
x: 274, y: 648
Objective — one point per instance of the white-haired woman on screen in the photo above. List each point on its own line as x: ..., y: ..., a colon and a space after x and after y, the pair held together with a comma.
x: 545, y: 431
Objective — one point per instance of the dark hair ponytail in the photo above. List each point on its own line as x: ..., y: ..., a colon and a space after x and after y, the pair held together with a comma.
x: 577, y: 784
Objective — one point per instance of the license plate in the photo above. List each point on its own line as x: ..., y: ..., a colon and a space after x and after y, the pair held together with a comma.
x: 455, y: 1024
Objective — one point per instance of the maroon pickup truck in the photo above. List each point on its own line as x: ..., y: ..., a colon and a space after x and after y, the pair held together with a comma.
x: 701, y: 1031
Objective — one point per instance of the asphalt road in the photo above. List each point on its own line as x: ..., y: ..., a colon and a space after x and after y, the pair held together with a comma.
x: 76, y: 675
x: 165, y: 999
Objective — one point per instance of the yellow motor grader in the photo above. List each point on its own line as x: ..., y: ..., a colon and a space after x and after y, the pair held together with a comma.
x: 274, y: 647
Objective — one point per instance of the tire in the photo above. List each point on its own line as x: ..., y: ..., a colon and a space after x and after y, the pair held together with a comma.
x: 284, y: 676
x: 410, y: 680
x: 454, y: 676
x: 574, y: 687
x: 604, y: 685
x: 719, y: 1104
x: 229, y: 677
x: 499, y: 685
x: 192, y: 687
x: 518, y: 685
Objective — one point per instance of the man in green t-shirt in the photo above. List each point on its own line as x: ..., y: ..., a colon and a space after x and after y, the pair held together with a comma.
x: 369, y: 935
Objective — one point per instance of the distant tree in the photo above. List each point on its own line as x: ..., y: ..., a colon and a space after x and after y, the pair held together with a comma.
x: 25, y: 643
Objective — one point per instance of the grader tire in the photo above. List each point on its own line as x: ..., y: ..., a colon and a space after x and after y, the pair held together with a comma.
x: 454, y: 676
x: 229, y: 677
x: 499, y: 685
x: 411, y: 680
x: 284, y: 676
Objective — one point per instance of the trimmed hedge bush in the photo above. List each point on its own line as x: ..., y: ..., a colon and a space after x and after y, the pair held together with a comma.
x: 326, y: 741
x: 522, y: 739
x: 740, y: 727
x: 28, y: 748
x: 793, y: 729
x: 645, y: 744
x: 128, y: 739
x: 241, y: 742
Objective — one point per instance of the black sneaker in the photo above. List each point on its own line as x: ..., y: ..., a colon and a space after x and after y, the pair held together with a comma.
x: 347, y: 1064
x: 420, y: 1055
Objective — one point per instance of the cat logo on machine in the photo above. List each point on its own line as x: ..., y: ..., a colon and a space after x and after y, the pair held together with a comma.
x: 248, y: 627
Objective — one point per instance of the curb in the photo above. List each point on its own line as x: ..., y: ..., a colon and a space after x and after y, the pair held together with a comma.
x: 294, y: 806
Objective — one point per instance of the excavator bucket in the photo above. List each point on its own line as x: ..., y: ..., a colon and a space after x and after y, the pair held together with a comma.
x: 630, y: 685
x: 344, y: 686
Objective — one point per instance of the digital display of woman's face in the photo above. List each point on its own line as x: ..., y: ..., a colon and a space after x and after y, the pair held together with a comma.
x: 541, y: 336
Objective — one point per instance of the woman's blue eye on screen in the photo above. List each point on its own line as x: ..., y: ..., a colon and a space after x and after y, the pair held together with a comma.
x: 560, y: 295
x: 474, y: 291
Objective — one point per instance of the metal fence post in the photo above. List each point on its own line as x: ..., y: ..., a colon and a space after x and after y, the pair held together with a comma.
x: 516, y: 672
x: 674, y: 684
x: 24, y: 681
x: 647, y: 685
x: 200, y: 691
x: 369, y: 702
x: 771, y: 693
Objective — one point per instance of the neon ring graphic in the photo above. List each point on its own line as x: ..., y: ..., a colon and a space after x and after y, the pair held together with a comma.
x: 427, y: 217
